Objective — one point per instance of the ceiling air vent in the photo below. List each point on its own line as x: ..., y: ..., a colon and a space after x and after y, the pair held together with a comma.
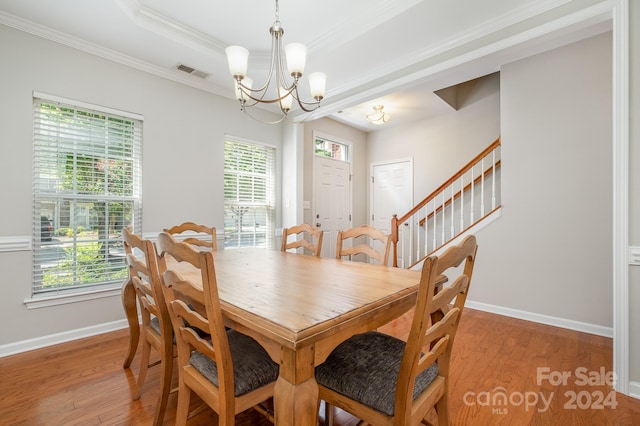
x: 192, y: 71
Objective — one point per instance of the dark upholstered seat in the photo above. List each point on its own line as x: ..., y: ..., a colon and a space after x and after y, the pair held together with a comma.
x: 365, y: 368
x: 252, y: 367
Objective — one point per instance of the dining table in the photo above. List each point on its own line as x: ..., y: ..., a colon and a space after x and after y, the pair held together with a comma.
x: 299, y: 308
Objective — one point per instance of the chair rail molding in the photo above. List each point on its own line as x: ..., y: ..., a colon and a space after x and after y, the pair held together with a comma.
x: 634, y: 255
x: 21, y: 243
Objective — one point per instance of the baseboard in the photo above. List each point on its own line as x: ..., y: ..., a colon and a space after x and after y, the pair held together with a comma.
x: 66, y: 336
x: 634, y: 389
x: 543, y: 319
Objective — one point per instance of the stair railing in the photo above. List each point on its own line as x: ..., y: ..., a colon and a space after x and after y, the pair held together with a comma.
x: 443, y: 214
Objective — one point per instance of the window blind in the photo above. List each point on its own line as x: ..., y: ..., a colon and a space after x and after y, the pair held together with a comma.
x: 249, y: 194
x: 86, y: 187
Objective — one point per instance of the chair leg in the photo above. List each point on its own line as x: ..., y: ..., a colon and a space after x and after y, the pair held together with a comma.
x: 144, y: 366
x: 131, y: 311
x: 165, y: 384
x: 182, y: 411
x: 442, y: 408
x: 328, y: 414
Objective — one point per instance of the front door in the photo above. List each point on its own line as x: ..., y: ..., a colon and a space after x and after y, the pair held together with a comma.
x: 332, y: 200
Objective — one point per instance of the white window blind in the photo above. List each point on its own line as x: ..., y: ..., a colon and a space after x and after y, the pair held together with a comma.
x: 249, y: 194
x: 86, y: 188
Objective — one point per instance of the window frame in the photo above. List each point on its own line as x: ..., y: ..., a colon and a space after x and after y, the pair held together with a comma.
x: 115, y: 144
x: 267, y: 206
x: 336, y: 146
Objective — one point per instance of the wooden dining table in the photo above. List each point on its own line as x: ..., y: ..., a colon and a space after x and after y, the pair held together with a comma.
x: 299, y: 308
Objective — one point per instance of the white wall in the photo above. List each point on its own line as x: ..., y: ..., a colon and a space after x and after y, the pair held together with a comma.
x: 182, y: 160
x: 550, y: 252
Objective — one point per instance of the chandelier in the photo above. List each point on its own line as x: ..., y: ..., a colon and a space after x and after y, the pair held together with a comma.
x: 285, y: 91
x: 378, y: 116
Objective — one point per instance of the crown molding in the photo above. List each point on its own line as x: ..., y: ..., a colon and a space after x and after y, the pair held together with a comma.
x: 152, y: 20
x: 111, y: 55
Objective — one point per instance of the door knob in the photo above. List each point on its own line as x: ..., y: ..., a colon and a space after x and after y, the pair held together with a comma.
x: 318, y: 225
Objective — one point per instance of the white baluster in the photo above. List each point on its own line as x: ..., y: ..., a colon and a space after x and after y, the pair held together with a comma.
x: 443, y: 219
x: 435, y: 229
x: 493, y: 181
x: 426, y: 231
x: 472, y: 198
x: 410, y: 232
x: 402, y: 242
x: 453, y: 221
x: 461, y: 203
x: 482, y: 188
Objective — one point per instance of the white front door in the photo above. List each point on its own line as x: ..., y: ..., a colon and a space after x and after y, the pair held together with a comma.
x: 332, y: 200
x: 391, y: 193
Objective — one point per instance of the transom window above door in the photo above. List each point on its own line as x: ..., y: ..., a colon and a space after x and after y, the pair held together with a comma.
x: 331, y: 149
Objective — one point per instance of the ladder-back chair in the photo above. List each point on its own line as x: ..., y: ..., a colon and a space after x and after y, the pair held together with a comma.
x: 386, y: 381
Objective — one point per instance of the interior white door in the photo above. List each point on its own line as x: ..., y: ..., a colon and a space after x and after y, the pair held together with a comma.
x: 332, y: 200
x: 391, y: 193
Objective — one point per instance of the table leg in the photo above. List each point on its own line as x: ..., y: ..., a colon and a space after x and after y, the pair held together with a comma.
x: 296, y: 391
x: 131, y: 311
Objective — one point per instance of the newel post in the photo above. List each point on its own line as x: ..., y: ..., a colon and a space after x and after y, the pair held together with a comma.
x: 394, y: 239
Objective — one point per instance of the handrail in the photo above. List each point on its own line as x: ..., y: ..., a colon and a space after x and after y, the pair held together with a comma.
x: 395, y: 221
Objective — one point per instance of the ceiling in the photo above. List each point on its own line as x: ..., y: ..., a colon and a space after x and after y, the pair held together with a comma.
x: 373, y: 51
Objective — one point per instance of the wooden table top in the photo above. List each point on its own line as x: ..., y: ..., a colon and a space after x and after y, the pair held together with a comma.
x: 295, y: 298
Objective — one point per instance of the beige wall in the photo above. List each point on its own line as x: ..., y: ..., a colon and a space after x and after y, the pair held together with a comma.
x: 182, y: 159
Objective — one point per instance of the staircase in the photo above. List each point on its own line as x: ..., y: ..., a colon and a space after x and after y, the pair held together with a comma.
x: 467, y: 201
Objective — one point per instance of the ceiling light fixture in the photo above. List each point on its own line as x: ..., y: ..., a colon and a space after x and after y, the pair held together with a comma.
x: 285, y: 92
x: 378, y: 116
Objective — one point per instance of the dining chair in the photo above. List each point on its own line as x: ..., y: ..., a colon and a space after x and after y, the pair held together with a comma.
x: 381, y: 256
x: 230, y: 371
x: 189, y: 228
x: 156, y: 324
x: 315, y: 234
x: 387, y: 381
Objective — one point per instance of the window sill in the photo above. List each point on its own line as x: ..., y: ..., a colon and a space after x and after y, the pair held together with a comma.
x: 64, y: 299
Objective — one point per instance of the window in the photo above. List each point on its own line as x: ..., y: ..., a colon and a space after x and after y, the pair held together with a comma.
x: 249, y: 194
x: 327, y: 148
x: 86, y: 185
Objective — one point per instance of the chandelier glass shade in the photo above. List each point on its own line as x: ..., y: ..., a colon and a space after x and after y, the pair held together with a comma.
x: 284, y: 90
x: 378, y: 116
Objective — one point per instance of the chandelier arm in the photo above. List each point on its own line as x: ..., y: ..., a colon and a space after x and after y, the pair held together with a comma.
x: 302, y: 104
x: 261, y: 99
x: 280, y: 120
x: 249, y: 97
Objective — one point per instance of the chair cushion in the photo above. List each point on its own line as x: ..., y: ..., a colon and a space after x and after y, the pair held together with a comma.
x: 365, y: 368
x: 155, y: 324
x: 252, y: 366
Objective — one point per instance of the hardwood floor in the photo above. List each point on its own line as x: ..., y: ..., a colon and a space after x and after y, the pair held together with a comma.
x: 496, y: 364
